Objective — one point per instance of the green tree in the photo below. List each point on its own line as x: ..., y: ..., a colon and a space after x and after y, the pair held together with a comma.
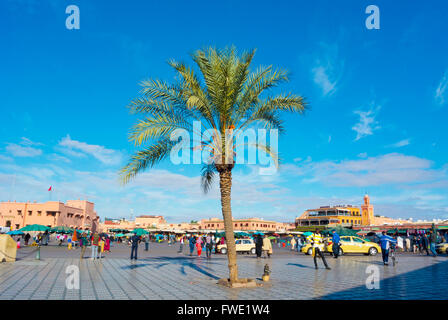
x: 226, y: 98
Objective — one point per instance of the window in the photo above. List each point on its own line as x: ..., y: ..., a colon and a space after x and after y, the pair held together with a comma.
x: 238, y: 242
x: 39, y: 213
x: 30, y: 213
x: 345, y: 239
x: 246, y: 242
x: 357, y: 240
x: 17, y: 226
x: 343, y: 220
x: 19, y: 212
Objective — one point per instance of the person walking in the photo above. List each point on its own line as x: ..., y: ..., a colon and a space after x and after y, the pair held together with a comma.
x: 258, y: 245
x: 45, y: 238
x: 181, y: 244
x: 317, y: 243
x: 432, y: 239
x: 101, y: 247
x: 386, y: 242
x: 425, y: 243
x: 420, y: 243
x: 414, y: 244
x: 299, y: 244
x: 293, y: 243
x: 267, y: 246
x: 192, y: 242
x: 208, y: 246
x: 95, y: 244
x: 83, y: 242
x: 408, y: 244
x: 107, y: 244
x: 27, y: 238
x: 135, y: 240
x: 199, y: 244
x: 335, y: 248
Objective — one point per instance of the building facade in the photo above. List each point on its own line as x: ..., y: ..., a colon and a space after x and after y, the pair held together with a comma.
x: 78, y: 214
x: 346, y: 216
x: 249, y: 224
x: 145, y: 221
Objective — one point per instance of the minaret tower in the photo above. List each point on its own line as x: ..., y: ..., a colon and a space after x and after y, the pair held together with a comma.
x: 367, y: 212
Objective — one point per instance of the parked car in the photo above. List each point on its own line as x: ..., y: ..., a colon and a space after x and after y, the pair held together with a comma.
x: 242, y: 245
x: 442, y: 248
x: 349, y: 244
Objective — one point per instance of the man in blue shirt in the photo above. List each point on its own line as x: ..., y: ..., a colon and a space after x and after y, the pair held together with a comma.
x: 386, y: 242
x: 335, y: 239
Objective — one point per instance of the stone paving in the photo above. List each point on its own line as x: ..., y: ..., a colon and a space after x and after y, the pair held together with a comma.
x: 161, y: 273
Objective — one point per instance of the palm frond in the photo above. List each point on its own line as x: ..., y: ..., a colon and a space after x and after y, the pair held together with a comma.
x: 145, y: 158
x: 208, y: 173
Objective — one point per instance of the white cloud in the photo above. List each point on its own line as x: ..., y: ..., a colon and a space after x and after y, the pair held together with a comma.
x: 389, y: 169
x: 59, y: 158
x: 367, y: 123
x: 106, y: 156
x: 24, y: 148
x: 327, y: 69
x: 5, y: 158
x: 27, y: 142
x: 20, y: 151
x: 401, y: 143
x: 362, y: 155
x: 441, y: 91
x: 321, y: 76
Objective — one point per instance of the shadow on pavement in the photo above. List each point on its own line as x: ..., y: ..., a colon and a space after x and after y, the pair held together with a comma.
x: 183, y: 262
x: 299, y: 265
x: 429, y: 283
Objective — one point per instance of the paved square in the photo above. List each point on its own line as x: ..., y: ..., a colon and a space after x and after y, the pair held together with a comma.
x: 162, y: 273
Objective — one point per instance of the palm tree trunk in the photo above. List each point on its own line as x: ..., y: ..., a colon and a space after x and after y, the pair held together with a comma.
x: 225, y: 184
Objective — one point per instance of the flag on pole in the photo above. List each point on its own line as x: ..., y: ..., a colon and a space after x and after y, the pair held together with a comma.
x: 49, y: 189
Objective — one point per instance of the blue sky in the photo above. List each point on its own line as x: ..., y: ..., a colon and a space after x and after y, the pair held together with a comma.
x: 378, y: 98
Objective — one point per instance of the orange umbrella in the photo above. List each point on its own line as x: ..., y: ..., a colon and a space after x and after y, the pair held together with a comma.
x: 75, y: 236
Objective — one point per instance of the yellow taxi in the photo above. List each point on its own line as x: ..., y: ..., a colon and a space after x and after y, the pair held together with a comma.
x: 348, y: 244
x: 442, y: 248
x: 307, y: 248
x: 242, y: 245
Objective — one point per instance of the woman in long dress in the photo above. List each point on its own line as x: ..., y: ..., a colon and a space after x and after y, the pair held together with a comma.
x: 199, y: 245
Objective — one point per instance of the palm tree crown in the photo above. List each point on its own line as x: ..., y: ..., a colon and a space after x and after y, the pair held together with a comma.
x: 227, y: 98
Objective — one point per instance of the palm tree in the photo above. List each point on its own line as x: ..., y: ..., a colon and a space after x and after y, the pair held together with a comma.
x: 227, y: 99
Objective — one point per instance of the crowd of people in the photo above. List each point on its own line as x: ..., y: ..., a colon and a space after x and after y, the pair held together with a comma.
x: 101, y: 243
